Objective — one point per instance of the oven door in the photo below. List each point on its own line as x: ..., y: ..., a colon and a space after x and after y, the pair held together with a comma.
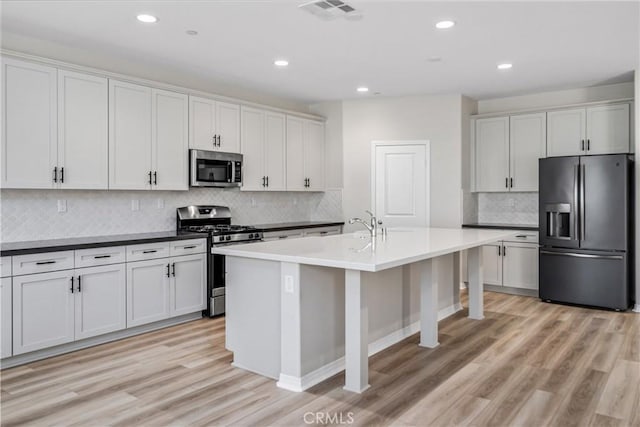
x: 215, y: 169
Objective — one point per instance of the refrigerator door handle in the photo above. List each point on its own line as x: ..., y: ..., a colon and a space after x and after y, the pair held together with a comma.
x: 574, y: 255
x: 582, y: 219
x: 576, y: 195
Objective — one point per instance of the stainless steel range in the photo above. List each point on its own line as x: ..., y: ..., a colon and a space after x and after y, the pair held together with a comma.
x: 215, y: 221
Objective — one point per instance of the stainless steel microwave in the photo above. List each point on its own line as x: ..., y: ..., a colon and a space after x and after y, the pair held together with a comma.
x: 215, y: 169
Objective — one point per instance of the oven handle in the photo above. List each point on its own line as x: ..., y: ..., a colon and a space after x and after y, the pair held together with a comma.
x: 230, y: 171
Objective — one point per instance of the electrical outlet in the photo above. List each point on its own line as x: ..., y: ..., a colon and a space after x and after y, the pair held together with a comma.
x: 160, y: 203
x: 295, y: 201
x: 135, y: 205
x: 512, y: 203
x: 253, y: 202
x: 288, y: 284
x: 62, y: 205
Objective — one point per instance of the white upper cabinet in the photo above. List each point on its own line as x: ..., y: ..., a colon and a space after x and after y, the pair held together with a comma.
x: 608, y: 129
x: 214, y: 125
x: 263, y: 150
x: 492, y: 154
x: 527, y: 144
x: 601, y: 129
x: 29, y: 125
x: 129, y: 136
x: 566, y: 132
x: 83, y: 152
x: 170, y: 144
x: 148, y: 138
x: 305, y: 155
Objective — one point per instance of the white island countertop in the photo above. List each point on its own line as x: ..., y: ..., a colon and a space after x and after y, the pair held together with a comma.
x: 356, y: 251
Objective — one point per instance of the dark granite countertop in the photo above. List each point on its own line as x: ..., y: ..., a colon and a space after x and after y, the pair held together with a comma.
x: 281, y: 226
x: 39, y: 246
x: 527, y: 227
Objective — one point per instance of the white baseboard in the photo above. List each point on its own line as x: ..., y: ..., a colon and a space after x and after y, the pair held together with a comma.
x: 637, y: 308
x: 307, y: 381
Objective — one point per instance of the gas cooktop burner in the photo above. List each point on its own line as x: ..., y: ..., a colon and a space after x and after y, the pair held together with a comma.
x: 218, y: 229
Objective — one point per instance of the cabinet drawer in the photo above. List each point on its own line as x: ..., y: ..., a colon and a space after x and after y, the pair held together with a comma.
x: 5, y: 266
x: 147, y: 251
x: 42, y: 263
x: 285, y: 234
x: 322, y: 231
x: 187, y: 247
x: 525, y: 237
x: 100, y: 256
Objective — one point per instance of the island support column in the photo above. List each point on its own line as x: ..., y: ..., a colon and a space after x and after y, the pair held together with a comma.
x: 476, y: 283
x: 356, y: 333
x: 290, y: 328
x: 428, y: 303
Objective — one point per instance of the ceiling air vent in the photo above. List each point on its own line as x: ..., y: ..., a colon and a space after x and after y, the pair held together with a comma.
x: 331, y: 9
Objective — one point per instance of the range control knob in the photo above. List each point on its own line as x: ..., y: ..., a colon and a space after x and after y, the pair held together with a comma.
x: 228, y: 237
x: 251, y: 236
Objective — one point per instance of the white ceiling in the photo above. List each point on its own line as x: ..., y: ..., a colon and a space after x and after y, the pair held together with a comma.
x: 553, y: 45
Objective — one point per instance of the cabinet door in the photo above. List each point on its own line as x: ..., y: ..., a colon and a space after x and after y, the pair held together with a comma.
x: 100, y: 300
x: 188, y: 284
x: 83, y: 149
x: 29, y: 125
x: 147, y: 291
x: 228, y: 127
x: 608, y: 129
x: 274, y: 151
x: 42, y: 311
x: 492, y: 154
x: 5, y: 317
x: 565, y: 132
x: 520, y: 266
x: 528, y: 141
x: 492, y: 264
x: 202, y: 123
x: 295, y: 155
x: 129, y: 136
x: 252, y: 149
x: 314, y: 155
x: 170, y: 148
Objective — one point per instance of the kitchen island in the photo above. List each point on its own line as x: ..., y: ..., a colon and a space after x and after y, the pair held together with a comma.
x: 295, y: 307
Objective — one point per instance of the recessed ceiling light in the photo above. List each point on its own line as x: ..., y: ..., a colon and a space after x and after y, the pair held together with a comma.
x: 434, y: 59
x: 363, y: 89
x: 443, y: 25
x: 192, y: 32
x: 505, y: 66
x: 281, y: 63
x: 147, y: 19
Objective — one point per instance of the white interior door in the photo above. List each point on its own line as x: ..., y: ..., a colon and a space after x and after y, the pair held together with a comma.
x: 400, y: 178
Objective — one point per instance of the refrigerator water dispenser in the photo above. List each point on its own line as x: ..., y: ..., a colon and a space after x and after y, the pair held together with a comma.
x: 558, y: 220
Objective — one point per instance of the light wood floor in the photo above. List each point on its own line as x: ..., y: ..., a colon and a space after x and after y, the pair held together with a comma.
x: 527, y: 364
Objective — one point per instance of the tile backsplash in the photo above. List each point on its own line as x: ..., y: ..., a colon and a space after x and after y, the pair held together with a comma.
x: 507, y: 208
x: 33, y: 214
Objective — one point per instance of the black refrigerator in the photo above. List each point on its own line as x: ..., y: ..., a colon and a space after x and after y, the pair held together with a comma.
x: 586, y: 230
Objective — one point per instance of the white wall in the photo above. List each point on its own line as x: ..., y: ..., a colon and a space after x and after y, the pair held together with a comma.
x: 434, y: 118
x: 557, y: 98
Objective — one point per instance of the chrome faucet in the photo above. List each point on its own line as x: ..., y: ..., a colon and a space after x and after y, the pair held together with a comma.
x: 372, y: 226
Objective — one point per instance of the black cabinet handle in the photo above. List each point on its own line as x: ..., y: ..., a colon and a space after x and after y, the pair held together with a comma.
x: 173, y: 269
x: 264, y: 181
x: 45, y: 262
x: 155, y: 178
x: 588, y: 144
x: 189, y: 247
x: 152, y: 251
x: 498, y: 250
x: 101, y: 256
x: 522, y: 236
x: 504, y: 251
x: 79, y: 284
x: 55, y: 174
x: 149, y: 177
x: 267, y: 181
x: 71, y: 284
x: 511, y: 182
x: 506, y: 183
x: 582, y: 145
x: 282, y: 237
x: 62, y: 174
x: 219, y: 140
x: 214, y: 140
x: 168, y: 274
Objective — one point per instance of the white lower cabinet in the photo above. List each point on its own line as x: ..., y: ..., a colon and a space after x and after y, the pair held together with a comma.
x: 492, y: 264
x: 5, y: 317
x: 520, y: 265
x: 188, y: 284
x: 147, y: 291
x: 43, y: 311
x: 161, y: 288
x: 100, y: 300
